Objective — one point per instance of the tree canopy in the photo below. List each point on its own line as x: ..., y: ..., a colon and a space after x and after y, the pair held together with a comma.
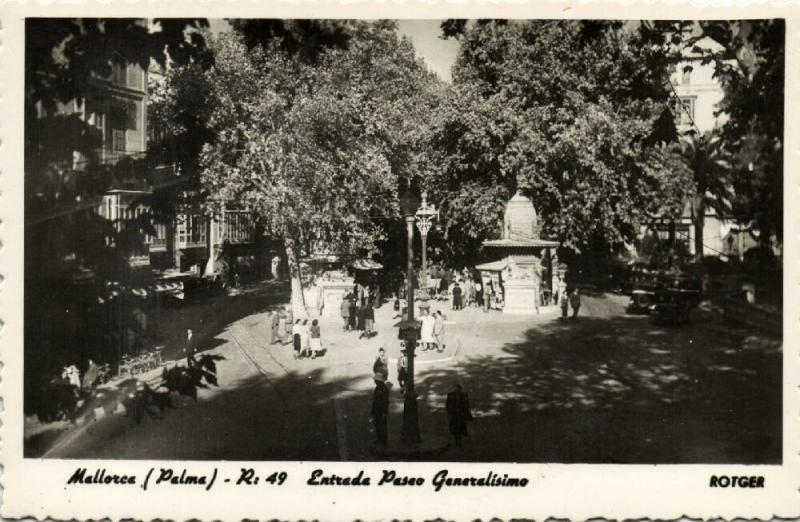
x: 749, y: 63
x: 568, y: 112
x: 317, y: 149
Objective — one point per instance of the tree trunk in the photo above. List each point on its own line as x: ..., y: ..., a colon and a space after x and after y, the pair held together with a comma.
x: 671, y: 244
x: 173, y: 251
x: 298, y: 301
x: 210, y: 269
x: 699, y: 223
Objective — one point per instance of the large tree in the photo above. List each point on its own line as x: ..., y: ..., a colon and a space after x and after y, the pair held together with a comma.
x: 749, y: 62
x: 571, y: 113
x: 710, y: 166
x: 315, y: 148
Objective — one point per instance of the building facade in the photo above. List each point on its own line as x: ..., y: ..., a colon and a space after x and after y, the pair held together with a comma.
x: 696, y: 94
x: 95, y: 254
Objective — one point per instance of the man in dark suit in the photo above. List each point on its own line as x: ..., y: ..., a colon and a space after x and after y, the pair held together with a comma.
x: 458, y: 413
x: 457, y: 305
x: 380, y: 410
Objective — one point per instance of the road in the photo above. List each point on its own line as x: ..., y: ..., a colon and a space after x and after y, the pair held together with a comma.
x: 606, y: 387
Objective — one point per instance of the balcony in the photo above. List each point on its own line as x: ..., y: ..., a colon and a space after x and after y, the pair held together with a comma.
x: 234, y: 227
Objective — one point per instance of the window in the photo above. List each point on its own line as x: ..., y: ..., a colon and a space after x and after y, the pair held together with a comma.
x: 686, y: 77
x: 119, y: 73
x: 131, y: 115
x: 134, y: 76
x: 684, y: 110
x: 118, y: 140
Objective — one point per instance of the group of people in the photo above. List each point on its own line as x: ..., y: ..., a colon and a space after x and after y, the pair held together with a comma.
x: 358, y: 314
x: 569, y: 299
x: 305, y: 337
x: 456, y: 405
x: 432, y: 330
x: 464, y: 289
x: 71, y: 375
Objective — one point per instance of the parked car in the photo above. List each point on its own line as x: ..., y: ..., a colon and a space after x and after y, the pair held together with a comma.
x: 673, y: 306
x: 641, y: 301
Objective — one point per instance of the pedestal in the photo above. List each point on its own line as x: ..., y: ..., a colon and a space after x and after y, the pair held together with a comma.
x: 521, y: 298
x: 333, y: 293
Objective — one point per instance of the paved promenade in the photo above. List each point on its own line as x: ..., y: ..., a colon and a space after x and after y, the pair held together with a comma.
x: 604, y: 388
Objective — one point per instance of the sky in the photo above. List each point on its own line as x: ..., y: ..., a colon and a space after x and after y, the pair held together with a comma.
x: 438, y: 54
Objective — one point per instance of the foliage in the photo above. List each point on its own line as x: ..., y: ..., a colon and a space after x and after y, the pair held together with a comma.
x: 316, y: 150
x: 66, y: 60
x: 566, y: 112
x: 186, y: 380
x: 178, y: 114
x: 67, y: 243
x: 710, y: 167
x: 64, y: 56
x: 749, y: 63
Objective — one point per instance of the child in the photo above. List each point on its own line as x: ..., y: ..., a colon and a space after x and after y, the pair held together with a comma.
x: 297, y: 338
x: 402, y: 366
x: 316, y: 341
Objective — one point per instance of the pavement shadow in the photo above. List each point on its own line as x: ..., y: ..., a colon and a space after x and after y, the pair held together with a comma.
x: 288, y: 418
x: 212, y: 316
x: 618, y: 389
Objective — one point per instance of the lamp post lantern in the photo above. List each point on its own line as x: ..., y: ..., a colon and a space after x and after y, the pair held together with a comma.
x: 409, y: 327
x: 424, y: 217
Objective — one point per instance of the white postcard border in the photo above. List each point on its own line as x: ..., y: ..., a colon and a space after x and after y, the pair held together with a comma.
x: 37, y: 488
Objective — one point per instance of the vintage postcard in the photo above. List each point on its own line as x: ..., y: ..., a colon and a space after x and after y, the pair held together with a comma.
x: 347, y: 261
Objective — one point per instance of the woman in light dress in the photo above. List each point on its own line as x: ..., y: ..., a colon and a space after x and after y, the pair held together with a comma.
x: 438, y: 330
x: 305, y: 339
x: 426, y: 333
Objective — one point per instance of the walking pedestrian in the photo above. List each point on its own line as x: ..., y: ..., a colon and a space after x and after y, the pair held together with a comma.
x: 438, y: 330
x: 316, y: 339
x: 478, y: 293
x: 444, y: 283
x: 458, y: 413
x: 426, y: 331
x: 369, y: 320
x: 305, y: 337
x: 297, y: 339
x: 289, y: 328
x: 457, y: 297
x: 470, y: 292
x: 381, y: 364
x: 189, y: 347
x: 575, y: 302
x: 274, y: 327
x: 353, y: 315
x: 90, y: 376
x: 488, y: 290
x: 345, y: 310
x: 380, y: 410
x: 282, y: 326
x: 402, y: 366
x: 563, y: 302
x: 71, y: 375
x: 362, y: 319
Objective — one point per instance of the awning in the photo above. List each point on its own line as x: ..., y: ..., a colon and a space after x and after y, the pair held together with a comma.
x: 367, y: 264
x: 494, y: 266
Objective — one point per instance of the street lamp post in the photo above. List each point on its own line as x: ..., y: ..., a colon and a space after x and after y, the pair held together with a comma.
x: 409, y: 327
x: 424, y: 217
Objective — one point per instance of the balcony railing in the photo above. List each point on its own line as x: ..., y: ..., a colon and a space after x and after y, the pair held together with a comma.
x: 234, y: 227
